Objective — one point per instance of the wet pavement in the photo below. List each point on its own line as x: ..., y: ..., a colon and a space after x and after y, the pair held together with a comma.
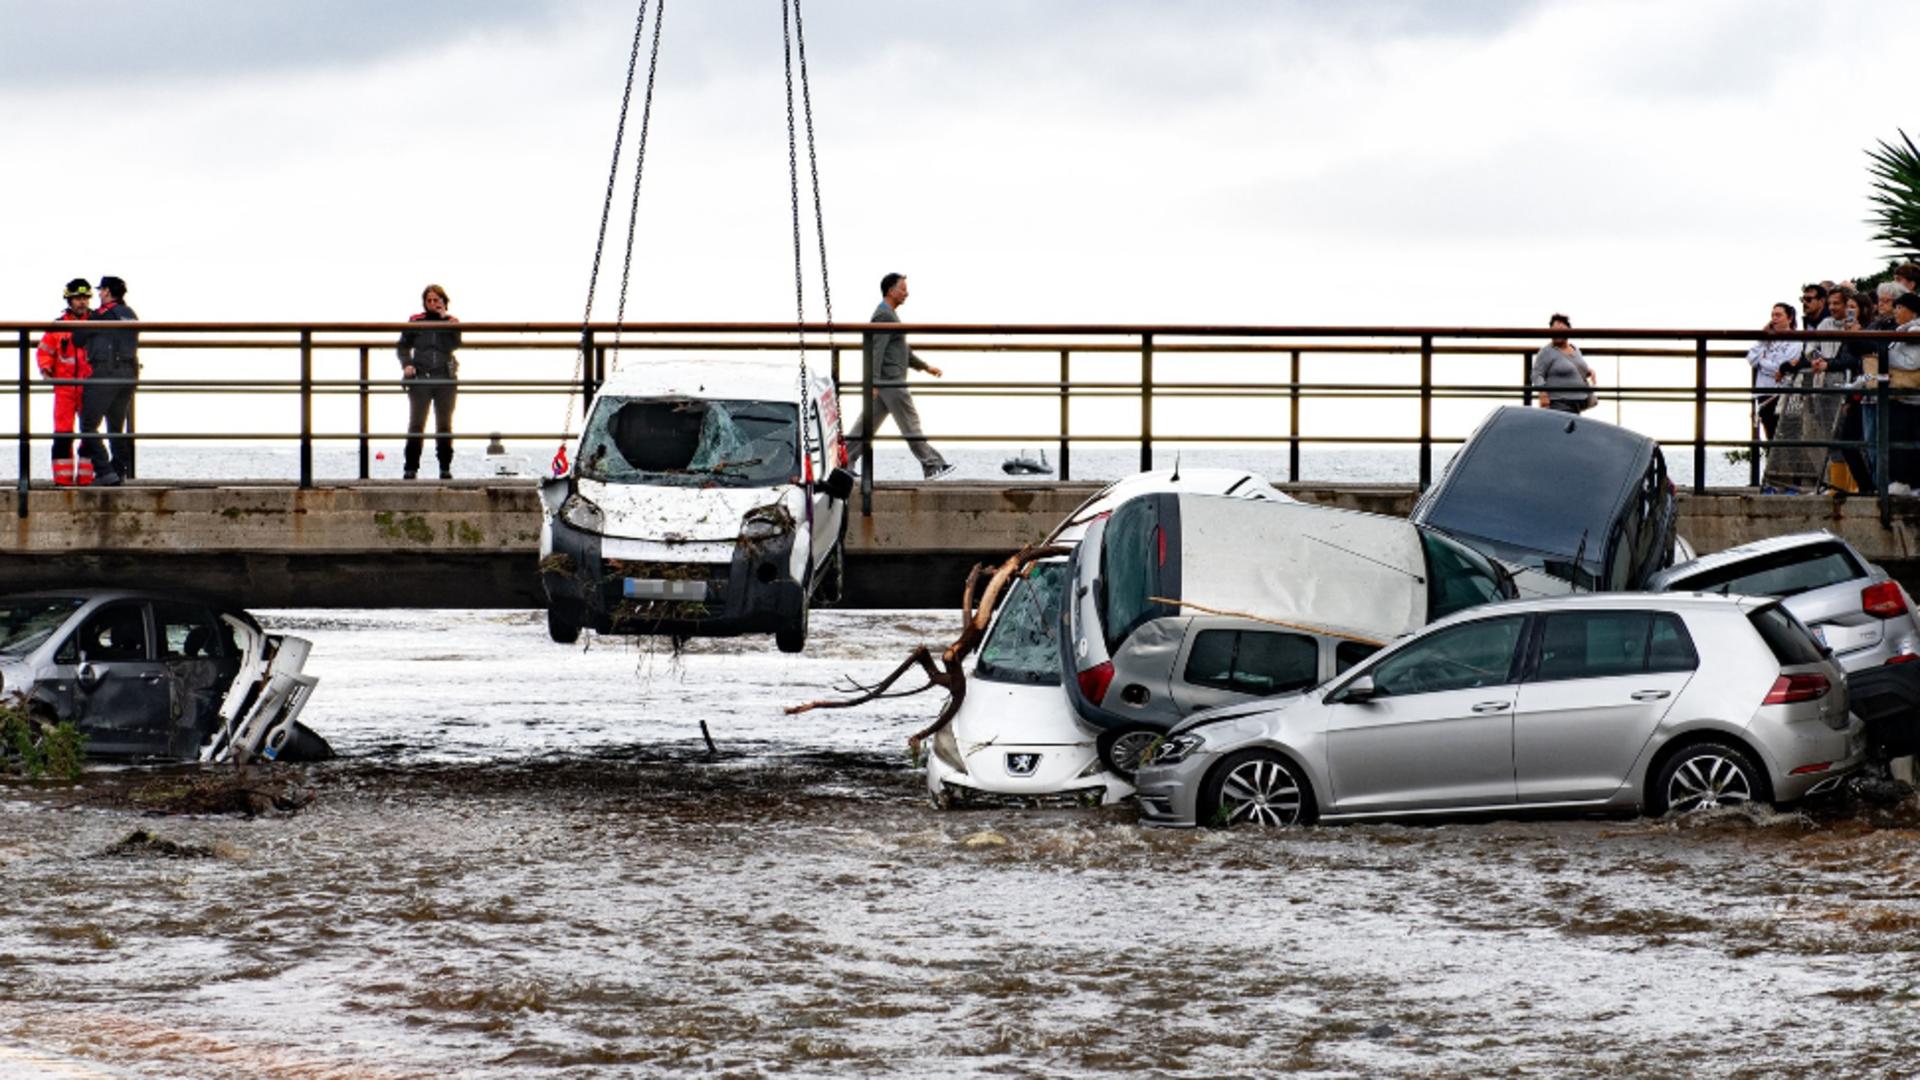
x: 527, y: 863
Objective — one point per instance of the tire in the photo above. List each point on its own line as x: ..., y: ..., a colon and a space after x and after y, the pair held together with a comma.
x: 305, y: 745
x: 1705, y: 776
x: 563, y: 624
x: 792, y: 634
x: 1255, y: 788
x: 1120, y: 750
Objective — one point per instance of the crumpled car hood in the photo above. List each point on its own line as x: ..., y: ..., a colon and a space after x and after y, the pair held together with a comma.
x: 681, y: 515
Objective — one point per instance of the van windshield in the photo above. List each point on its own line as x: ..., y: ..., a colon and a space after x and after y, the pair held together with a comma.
x: 24, y: 624
x: 1024, y: 646
x: 684, y: 442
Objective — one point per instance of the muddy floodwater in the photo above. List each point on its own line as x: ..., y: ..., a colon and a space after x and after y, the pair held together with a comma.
x: 527, y: 863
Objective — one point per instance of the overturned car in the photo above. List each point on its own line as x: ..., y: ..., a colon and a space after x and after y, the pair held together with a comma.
x: 150, y: 677
x: 704, y: 499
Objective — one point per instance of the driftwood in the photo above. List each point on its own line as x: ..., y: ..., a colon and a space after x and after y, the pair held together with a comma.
x: 948, y: 670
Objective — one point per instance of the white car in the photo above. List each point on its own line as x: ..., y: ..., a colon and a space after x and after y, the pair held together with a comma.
x: 1015, y: 735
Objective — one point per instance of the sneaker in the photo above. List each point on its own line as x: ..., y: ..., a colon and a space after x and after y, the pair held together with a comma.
x: 1895, y: 488
x: 942, y: 472
x: 446, y: 474
x: 410, y: 474
x: 107, y: 479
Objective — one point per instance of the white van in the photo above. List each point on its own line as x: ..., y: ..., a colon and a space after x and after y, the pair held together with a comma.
x: 692, y: 507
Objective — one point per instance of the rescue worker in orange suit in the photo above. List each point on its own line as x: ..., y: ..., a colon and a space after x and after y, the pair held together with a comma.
x: 60, y: 358
x: 114, y: 354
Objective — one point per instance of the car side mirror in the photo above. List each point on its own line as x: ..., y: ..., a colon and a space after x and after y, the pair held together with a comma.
x: 1358, y: 692
x: 554, y: 492
x: 87, y: 676
x: 838, y: 485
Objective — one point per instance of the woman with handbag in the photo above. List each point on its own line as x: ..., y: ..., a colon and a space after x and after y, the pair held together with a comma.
x: 1561, y: 373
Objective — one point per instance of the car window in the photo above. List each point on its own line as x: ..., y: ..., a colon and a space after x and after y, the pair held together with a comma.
x: 1348, y: 653
x: 1256, y: 662
x: 1456, y: 658
x: 1603, y: 644
x: 25, y: 625
x: 1779, y: 573
x: 1790, y: 642
x: 1022, y: 646
x: 1127, y: 552
x: 187, y: 631
x: 1458, y: 577
x: 116, y: 632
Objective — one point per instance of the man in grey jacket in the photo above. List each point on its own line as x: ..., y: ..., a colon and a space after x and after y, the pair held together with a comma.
x: 889, y: 357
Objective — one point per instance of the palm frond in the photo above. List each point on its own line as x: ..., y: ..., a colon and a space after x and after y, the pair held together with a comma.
x: 1896, y: 195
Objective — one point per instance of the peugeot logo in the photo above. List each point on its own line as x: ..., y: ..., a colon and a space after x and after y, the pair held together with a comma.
x: 1022, y: 764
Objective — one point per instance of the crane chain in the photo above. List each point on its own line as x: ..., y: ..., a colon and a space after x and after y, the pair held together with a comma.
x: 639, y: 170
x: 794, y: 40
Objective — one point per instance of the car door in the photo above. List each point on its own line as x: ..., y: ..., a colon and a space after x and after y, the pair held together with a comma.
x: 1439, y: 730
x: 121, y: 692
x: 199, y: 669
x: 1598, y: 687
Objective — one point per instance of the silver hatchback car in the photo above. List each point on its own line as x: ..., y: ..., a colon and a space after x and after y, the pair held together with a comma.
x: 1601, y: 702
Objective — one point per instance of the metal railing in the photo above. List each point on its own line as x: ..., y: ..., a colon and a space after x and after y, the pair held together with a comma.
x: 1169, y: 366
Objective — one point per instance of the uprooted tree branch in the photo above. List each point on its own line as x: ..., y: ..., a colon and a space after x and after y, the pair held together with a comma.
x: 986, y: 585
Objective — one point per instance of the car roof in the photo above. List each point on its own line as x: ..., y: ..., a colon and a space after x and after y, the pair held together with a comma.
x: 708, y: 378
x: 1614, y: 601
x: 1520, y: 460
x: 91, y: 593
x: 1743, y: 552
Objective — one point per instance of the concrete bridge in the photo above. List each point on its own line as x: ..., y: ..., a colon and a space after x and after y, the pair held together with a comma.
x: 474, y: 544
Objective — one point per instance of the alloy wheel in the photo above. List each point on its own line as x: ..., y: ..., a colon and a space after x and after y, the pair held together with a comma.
x: 1260, y: 792
x: 1708, y: 781
x: 1128, y: 749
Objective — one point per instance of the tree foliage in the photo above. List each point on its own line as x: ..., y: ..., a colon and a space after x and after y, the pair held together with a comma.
x: 1896, y: 195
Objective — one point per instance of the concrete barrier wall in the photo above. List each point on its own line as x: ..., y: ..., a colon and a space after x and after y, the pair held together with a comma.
x: 474, y: 544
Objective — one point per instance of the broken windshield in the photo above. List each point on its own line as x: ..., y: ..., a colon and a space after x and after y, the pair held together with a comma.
x: 683, y: 442
x: 24, y: 624
x: 1021, y: 647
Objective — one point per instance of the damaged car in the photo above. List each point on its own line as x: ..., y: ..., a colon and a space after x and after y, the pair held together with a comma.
x: 150, y: 677
x: 703, y: 499
x: 1564, y: 502
x: 1185, y: 602
x: 1015, y: 735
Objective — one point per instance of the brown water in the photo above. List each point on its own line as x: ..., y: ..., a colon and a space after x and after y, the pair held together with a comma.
x: 633, y: 908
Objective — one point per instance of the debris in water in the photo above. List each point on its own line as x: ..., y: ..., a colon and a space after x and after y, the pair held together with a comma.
x: 141, y: 842
x: 985, y: 838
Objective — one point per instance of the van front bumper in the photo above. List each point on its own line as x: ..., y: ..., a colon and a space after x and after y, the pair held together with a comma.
x: 753, y: 593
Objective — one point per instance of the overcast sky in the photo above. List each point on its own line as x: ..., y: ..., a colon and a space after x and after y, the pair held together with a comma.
x: 1466, y: 163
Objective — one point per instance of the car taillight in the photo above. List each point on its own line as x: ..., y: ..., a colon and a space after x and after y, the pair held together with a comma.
x: 1160, y: 539
x: 1883, y: 600
x: 1095, y: 680
x: 1788, y: 689
x: 1902, y: 658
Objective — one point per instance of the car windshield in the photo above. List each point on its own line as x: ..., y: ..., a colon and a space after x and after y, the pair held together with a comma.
x: 1459, y: 577
x: 684, y: 442
x: 1023, y: 646
x: 25, y: 624
x: 1779, y: 573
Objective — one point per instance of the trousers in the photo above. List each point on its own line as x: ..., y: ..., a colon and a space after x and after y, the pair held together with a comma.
x: 898, y: 402
x: 439, y: 397
x: 66, y: 420
x: 109, y: 405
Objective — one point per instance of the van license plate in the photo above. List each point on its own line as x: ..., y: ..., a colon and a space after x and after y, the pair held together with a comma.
x: 656, y: 589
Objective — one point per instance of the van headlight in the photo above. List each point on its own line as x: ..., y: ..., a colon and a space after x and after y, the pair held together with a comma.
x: 1176, y: 749
x: 581, y: 514
x: 766, y: 522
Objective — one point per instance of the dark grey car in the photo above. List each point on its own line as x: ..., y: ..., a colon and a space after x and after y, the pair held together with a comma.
x: 148, y: 676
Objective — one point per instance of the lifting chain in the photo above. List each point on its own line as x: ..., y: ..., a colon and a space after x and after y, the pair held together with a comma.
x: 794, y: 40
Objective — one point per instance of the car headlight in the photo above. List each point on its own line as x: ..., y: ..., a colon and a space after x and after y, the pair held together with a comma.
x: 1174, y: 750
x: 581, y: 514
x: 761, y: 529
x: 766, y: 522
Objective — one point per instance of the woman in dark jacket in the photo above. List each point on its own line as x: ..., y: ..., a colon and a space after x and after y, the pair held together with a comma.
x: 428, y: 366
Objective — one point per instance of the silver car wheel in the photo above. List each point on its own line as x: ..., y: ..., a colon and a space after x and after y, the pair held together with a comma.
x: 1708, y: 781
x: 1260, y: 792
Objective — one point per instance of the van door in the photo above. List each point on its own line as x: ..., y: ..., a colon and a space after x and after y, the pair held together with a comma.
x: 829, y: 514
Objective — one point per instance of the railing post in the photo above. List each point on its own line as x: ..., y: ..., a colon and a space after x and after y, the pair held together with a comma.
x: 587, y: 358
x: 1146, y: 402
x: 1293, y: 417
x: 306, y: 408
x: 366, y: 459
x: 1882, y: 468
x: 26, y: 413
x: 1066, y: 463
x: 836, y: 370
x: 1526, y: 378
x: 1426, y: 411
x: 1700, y: 417
x: 866, y: 431
x: 599, y: 368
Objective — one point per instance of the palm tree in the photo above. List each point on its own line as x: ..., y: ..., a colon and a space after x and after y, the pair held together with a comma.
x: 1896, y: 195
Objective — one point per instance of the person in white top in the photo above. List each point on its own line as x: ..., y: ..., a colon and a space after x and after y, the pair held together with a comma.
x: 1773, y: 362
x: 1903, y: 470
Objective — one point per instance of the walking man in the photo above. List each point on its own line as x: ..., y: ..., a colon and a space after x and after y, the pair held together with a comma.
x: 60, y: 358
x: 108, y: 397
x: 888, y: 357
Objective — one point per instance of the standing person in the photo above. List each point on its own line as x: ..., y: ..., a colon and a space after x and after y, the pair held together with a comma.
x: 1813, y: 305
x: 59, y: 358
x: 427, y: 362
x: 888, y: 357
x: 1772, y: 362
x: 108, y: 396
x: 1903, y: 370
x: 1560, y: 371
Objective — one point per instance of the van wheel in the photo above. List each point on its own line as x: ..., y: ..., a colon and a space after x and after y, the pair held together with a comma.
x: 1120, y: 751
x: 1257, y: 788
x: 792, y: 635
x: 563, y: 623
x: 1706, y: 776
